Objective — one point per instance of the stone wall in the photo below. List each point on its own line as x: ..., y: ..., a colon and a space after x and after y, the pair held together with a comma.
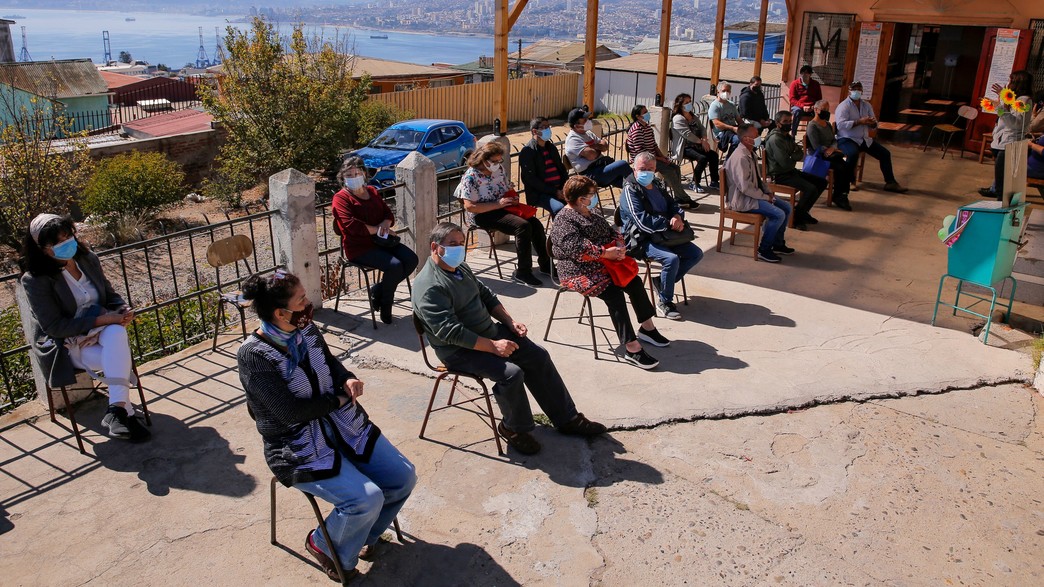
x: 194, y: 151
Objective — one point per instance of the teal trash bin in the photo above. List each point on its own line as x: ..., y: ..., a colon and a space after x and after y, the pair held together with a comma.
x: 984, y: 255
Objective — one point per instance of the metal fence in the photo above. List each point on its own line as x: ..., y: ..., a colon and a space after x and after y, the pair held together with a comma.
x: 132, y: 105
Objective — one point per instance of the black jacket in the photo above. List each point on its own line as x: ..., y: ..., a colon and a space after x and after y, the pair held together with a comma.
x: 532, y: 172
x: 752, y: 105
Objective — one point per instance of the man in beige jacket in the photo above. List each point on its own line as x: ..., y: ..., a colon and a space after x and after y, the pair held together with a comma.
x: 748, y: 193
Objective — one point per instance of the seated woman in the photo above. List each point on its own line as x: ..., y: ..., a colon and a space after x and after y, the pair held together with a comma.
x: 78, y: 319
x: 580, y: 239
x: 821, y: 136
x: 317, y: 437
x: 640, y: 138
x: 484, y: 193
x: 689, y: 141
x: 362, y: 218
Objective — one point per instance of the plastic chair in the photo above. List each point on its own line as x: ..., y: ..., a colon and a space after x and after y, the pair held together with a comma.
x: 345, y: 264
x: 220, y: 253
x: 95, y: 388
x: 966, y: 112
x: 754, y: 220
x: 443, y: 373
x: 585, y: 308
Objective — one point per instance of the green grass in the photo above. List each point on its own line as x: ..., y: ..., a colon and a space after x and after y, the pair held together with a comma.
x: 1038, y: 351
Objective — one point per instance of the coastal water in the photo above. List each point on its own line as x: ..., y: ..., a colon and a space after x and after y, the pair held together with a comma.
x: 173, y: 39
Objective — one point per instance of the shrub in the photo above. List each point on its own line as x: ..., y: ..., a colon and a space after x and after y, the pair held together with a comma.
x: 17, y: 373
x: 374, y: 117
x: 139, y: 184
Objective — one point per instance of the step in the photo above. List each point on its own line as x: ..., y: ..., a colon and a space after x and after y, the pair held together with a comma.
x: 1029, y: 264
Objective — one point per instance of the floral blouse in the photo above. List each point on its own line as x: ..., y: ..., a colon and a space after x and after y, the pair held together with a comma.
x: 577, y: 242
x: 479, y: 188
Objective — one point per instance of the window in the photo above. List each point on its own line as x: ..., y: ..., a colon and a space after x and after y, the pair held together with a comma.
x: 403, y: 87
x: 440, y: 83
x: 445, y: 134
x: 824, y: 45
x: 748, y: 50
x: 1036, y: 58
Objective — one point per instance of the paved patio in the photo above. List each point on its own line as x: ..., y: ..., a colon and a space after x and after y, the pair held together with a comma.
x: 919, y: 490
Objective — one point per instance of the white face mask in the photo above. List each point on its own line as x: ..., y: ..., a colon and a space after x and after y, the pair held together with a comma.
x: 494, y: 167
x: 724, y: 95
x: 354, y: 183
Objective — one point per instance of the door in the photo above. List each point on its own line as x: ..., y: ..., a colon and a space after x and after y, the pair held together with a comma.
x: 985, y: 122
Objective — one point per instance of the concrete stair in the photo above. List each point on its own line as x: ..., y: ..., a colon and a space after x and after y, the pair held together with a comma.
x: 1029, y: 264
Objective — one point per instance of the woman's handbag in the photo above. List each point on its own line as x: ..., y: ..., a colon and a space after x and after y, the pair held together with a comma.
x: 815, y: 164
x: 621, y: 271
x: 388, y: 242
x: 525, y: 211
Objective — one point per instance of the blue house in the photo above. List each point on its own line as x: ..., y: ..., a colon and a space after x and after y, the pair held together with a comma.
x: 71, y: 87
x: 741, y: 41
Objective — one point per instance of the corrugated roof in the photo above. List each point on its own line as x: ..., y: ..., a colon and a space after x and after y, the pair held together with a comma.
x: 562, y: 52
x: 67, y: 78
x: 168, y: 124
x: 118, y: 80
x: 751, y: 26
x: 696, y: 67
x: 379, y: 68
x: 689, y: 48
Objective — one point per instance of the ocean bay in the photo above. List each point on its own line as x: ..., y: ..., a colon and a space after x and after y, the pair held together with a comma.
x: 173, y: 39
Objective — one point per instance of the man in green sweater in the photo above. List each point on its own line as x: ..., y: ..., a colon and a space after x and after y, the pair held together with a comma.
x: 458, y: 313
x: 782, y: 153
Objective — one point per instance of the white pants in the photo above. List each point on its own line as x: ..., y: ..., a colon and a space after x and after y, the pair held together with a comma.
x: 111, y: 357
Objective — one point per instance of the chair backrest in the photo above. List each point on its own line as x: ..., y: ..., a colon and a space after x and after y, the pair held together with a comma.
x: 723, y: 189
x: 617, y: 220
x: 418, y: 325
x: 968, y: 112
x: 806, y: 144
x: 229, y: 250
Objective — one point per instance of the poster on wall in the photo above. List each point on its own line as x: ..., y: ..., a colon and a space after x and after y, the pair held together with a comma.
x: 866, y: 57
x: 1004, y: 49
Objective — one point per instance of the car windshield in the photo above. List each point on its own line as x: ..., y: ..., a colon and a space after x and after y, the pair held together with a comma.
x: 399, y: 138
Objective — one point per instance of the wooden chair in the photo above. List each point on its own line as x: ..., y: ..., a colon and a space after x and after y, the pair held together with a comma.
x: 830, y: 174
x: 585, y: 308
x: 229, y: 251
x: 469, y: 404
x: 345, y: 264
x: 96, y: 387
x: 987, y: 138
x: 750, y: 218
x: 778, y: 188
x: 966, y: 112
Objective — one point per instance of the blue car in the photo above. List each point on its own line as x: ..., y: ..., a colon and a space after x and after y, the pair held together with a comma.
x: 448, y: 143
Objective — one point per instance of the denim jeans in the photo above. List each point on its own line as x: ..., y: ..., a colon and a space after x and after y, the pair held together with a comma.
x: 675, y: 263
x: 775, y: 213
x: 529, y: 366
x: 396, y: 263
x: 797, y: 112
x: 366, y: 498
x: 549, y: 203
x: 875, y: 150
x: 612, y: 174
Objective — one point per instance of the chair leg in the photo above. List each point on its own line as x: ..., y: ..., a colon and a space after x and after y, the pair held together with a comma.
x: 272, y: 508
x: 492, y: 418
x: 398, y: 530
x: 496, y: 258
x: 409, y: 286
x: 326, y: 536
x: 141, y: 395
x: 929, y: 140
x: 590, y: 314
x: 217, y: 322
x: 946, y: 147
x: 242, y: 320
x: 69, y: 409
x: 552, y: 318
x: 685, y: 294
x: 453, y: 389
x: 50, y: 403
x: 431, y: 402
x: 369, y: 300
x: 340, y: 287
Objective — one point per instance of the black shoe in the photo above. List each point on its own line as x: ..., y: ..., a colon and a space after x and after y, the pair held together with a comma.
x: 714, y: 185
x: 987, y: 193
x: 375, y: 297
x: 642, y: 360
x: 894, y: 187
x: 138, y: 431
x: 843, y: 204
x: 810, y: 220
x: 523, y: 442
x: 782, y: 250
x: 668, y: 310
x: 386, y: 315
x: 653, y: 337
x: 768, y: 256
x: 115, y: 420
x: 526, y: 278
x: 800, y: 225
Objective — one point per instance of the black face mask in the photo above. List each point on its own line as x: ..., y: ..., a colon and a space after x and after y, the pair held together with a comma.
x: 824, y: 115
x: 302, y: 318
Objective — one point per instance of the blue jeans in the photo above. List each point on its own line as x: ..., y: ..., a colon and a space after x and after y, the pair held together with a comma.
x: 775, y: 213
x: 549, y: 203
x: 612, y: 174
x: 675, y: 263
x: 396, y: 263
x: 876, y: 150
x: 366, y: 498
x: 797, y: 112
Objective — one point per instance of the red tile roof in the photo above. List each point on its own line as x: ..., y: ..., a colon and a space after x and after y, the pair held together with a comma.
x: 169, y: 124
x: 118, y: 80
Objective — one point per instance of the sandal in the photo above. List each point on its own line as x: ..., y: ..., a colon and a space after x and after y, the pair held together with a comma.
x: 523, y: 442
x: 369, y: 552
x: 581, y: 426
x: 326, y: 562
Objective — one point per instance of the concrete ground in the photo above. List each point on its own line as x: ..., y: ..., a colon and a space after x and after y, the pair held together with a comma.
x: 806, y: 427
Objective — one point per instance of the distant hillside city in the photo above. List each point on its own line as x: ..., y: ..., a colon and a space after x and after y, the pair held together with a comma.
x: 621, y: 22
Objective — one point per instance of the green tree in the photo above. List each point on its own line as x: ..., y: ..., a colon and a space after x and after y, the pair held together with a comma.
x: 125, y: 57
x: 128, y: 190
x: 42, y: 165
x: 282, y: 105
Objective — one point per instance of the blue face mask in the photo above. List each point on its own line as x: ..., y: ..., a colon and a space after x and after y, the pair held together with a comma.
x: 593, y: 203
x: 453, y: 256
x: 855, y: 95
x: 644, y: 177
x: 65, y: 250
x: 545, y: 134
x: 687, y: 107
x: 647, y: 117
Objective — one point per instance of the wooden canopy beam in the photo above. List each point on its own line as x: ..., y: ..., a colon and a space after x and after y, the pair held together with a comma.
x: 516, y: 11
x: 761, y: 37
x: 665, y: 45
x: 500, y: 67
x: 590, y: 52
x: 719, y: 33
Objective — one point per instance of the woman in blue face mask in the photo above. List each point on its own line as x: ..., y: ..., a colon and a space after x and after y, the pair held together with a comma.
x: 588, y: 253
x: 79, y: 322
x: 641, y: 139
x: 689, y: 140
x: 317, y: 437
x: 364, y: 221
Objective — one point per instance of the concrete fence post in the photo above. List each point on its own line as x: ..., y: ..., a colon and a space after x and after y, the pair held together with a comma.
x: 292, y: 197
x: 417, y: 203
x: 660, y: 117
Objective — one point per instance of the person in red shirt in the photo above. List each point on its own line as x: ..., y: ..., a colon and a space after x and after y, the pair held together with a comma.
x: 804, y: 93
x: 361, y: 216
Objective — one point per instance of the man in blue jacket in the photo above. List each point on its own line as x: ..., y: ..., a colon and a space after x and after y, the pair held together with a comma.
x: 646, y: 206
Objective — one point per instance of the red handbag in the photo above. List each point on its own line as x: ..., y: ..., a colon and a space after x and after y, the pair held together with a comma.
x: 525, y: 211
x: 621, y: 271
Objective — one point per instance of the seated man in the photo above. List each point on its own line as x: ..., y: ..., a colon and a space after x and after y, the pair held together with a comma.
x: 585, y: 152
x: 804, y: 93
x: 782, y: 154
x: 752, y: 106
x: 1035, y: 162
x: 748, y: 193
x: 541, y: 169
x: 855, y: 118
x: 646, y: 206
x: 458, y: 313
x: 724, y: 119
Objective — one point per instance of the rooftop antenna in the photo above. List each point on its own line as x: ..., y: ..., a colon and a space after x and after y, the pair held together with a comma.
x: 217, y: 47
x: 108, y: 49
x: 201, y: 59
x: 24, y: 55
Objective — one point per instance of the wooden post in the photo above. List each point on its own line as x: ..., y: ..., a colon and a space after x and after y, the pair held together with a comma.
x: 590, y: 48
x: 665, y: 45
x: 761, y: 37
x: 500, y: 65
x: 719, y: 33
x: 790, y: 44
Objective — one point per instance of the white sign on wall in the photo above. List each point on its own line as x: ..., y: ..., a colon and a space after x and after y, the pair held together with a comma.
x: 866, y: 57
